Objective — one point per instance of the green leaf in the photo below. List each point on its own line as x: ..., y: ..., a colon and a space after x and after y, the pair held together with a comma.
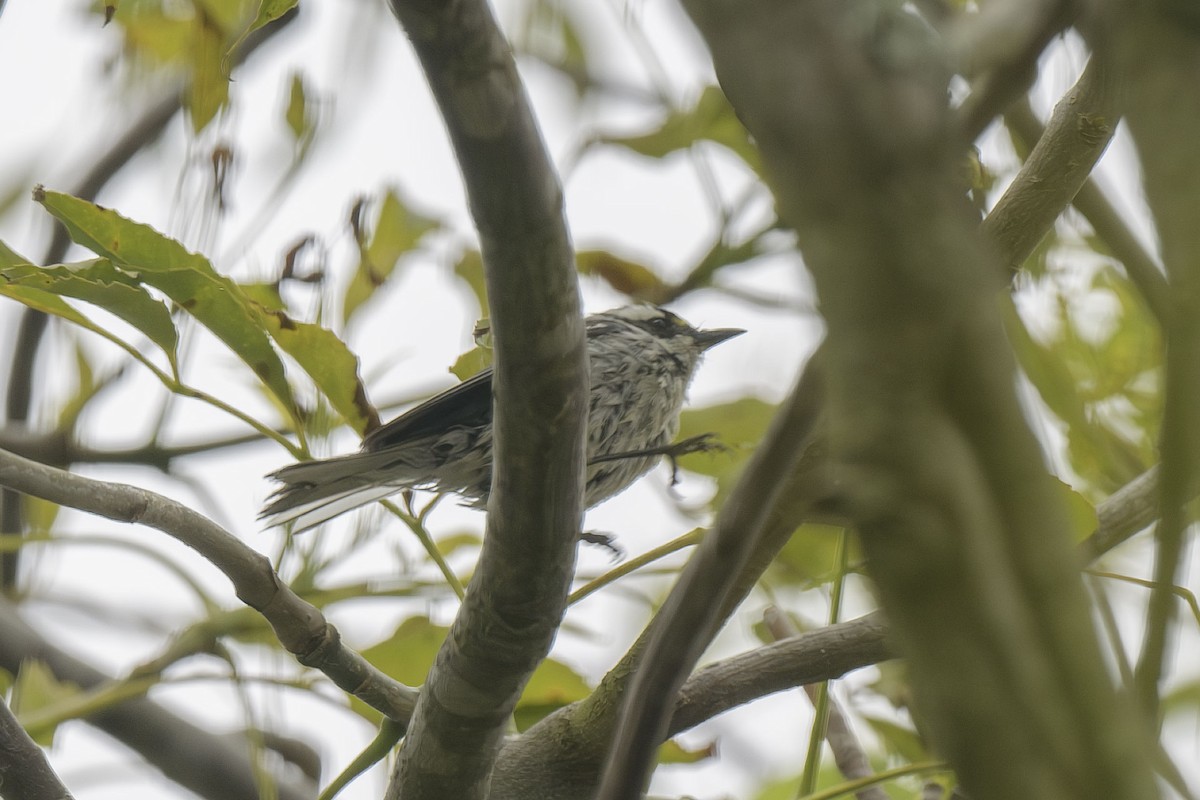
x: 329, y: 362
x: 1083, y: 514
x: 209, y: 89
x: 157, y: 37
x: 38, y: 299
x: 187, y: 278
x: 406, y: 655
x: 269, y: 11
x: 739, y: 427
x: 552, y: 686
x: 672, y: 752
x: 898, y: 739
x: 100, y: 283
x: 470, y: 269
x: 472, y: 362
x: 36, y: 688
x: 627, y: 277
x: 397, y: 231
x: 298, y: 115
x: 711, y: 118
x: 810, y: 556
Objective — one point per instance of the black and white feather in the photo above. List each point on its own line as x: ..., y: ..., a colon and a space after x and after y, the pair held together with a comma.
x: 641, y: 360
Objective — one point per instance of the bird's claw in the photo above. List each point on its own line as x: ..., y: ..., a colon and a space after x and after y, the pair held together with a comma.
x: 702, y: 443
x: 606, y: 540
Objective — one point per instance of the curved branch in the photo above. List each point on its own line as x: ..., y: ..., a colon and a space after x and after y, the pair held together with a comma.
x: 25, y: 771
x: 517, y: 595
x: 1105, y: 220
x: 1082, y: 125
x: 820, y: 655
x: 300, y: 626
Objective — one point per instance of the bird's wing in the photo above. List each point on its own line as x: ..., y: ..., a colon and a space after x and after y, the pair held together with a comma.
x: 469, y: 404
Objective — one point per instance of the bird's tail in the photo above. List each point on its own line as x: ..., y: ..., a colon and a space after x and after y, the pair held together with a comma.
x: 313, y: 492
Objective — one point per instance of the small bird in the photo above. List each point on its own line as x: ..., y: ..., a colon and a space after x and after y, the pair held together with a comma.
x: 641, y: 360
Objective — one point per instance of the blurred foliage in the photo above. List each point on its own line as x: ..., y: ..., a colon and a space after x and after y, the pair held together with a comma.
x: 193, y: 39
x: 396, y: 232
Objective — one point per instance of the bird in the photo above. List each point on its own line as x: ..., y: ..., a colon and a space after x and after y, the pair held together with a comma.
x: 641, y: 359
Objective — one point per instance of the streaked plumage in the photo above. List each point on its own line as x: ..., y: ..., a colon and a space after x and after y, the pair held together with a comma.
x: 641, y: 360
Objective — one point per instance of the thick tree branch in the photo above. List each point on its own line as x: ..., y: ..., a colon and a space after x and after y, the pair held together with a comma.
x: 518, y: 593
x: 24, y: 770
x: 813, y: 657
x: 961, y: 526
x: 212, y: 766
x: 300, y: 626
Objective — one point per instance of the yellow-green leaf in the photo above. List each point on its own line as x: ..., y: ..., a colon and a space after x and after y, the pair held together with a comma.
x: 472, y: 362
x: 470, y: 269
x: 672, y: 752
x: 36, y: 688
x: 397, y: 231
x: 711, y: 118
x: 209, y: 89
x: 297, y: 114
x: 406, y: 655
x: 327, y: 360
x: 100, y: 283
x: 552, y: 686
x: 739, y: 426
x: 627, y: 277
x: 187, y: 278
x: 809, y: 557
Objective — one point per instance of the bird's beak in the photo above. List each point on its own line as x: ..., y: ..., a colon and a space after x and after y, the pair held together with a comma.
x: 712, y: 338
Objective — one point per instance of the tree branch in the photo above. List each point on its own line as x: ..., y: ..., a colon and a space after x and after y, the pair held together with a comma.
x: 1082, y: 125
x: 24, y: 770
x: 1014, y: 35
x: 821, y: 655
x: 300, y: 626
x: 1108, y: 224
x: 1155, y: 49
x: 962, y: 529
x: 517, y: 595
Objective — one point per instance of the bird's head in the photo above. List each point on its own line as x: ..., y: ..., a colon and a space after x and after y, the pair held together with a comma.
x: 647, y: 326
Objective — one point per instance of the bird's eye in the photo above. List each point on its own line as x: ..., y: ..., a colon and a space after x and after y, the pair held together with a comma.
x: 662, y: 324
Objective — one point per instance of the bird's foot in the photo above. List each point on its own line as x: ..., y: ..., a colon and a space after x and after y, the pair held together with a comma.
x: 606, y: 540
x: 703, y: 443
